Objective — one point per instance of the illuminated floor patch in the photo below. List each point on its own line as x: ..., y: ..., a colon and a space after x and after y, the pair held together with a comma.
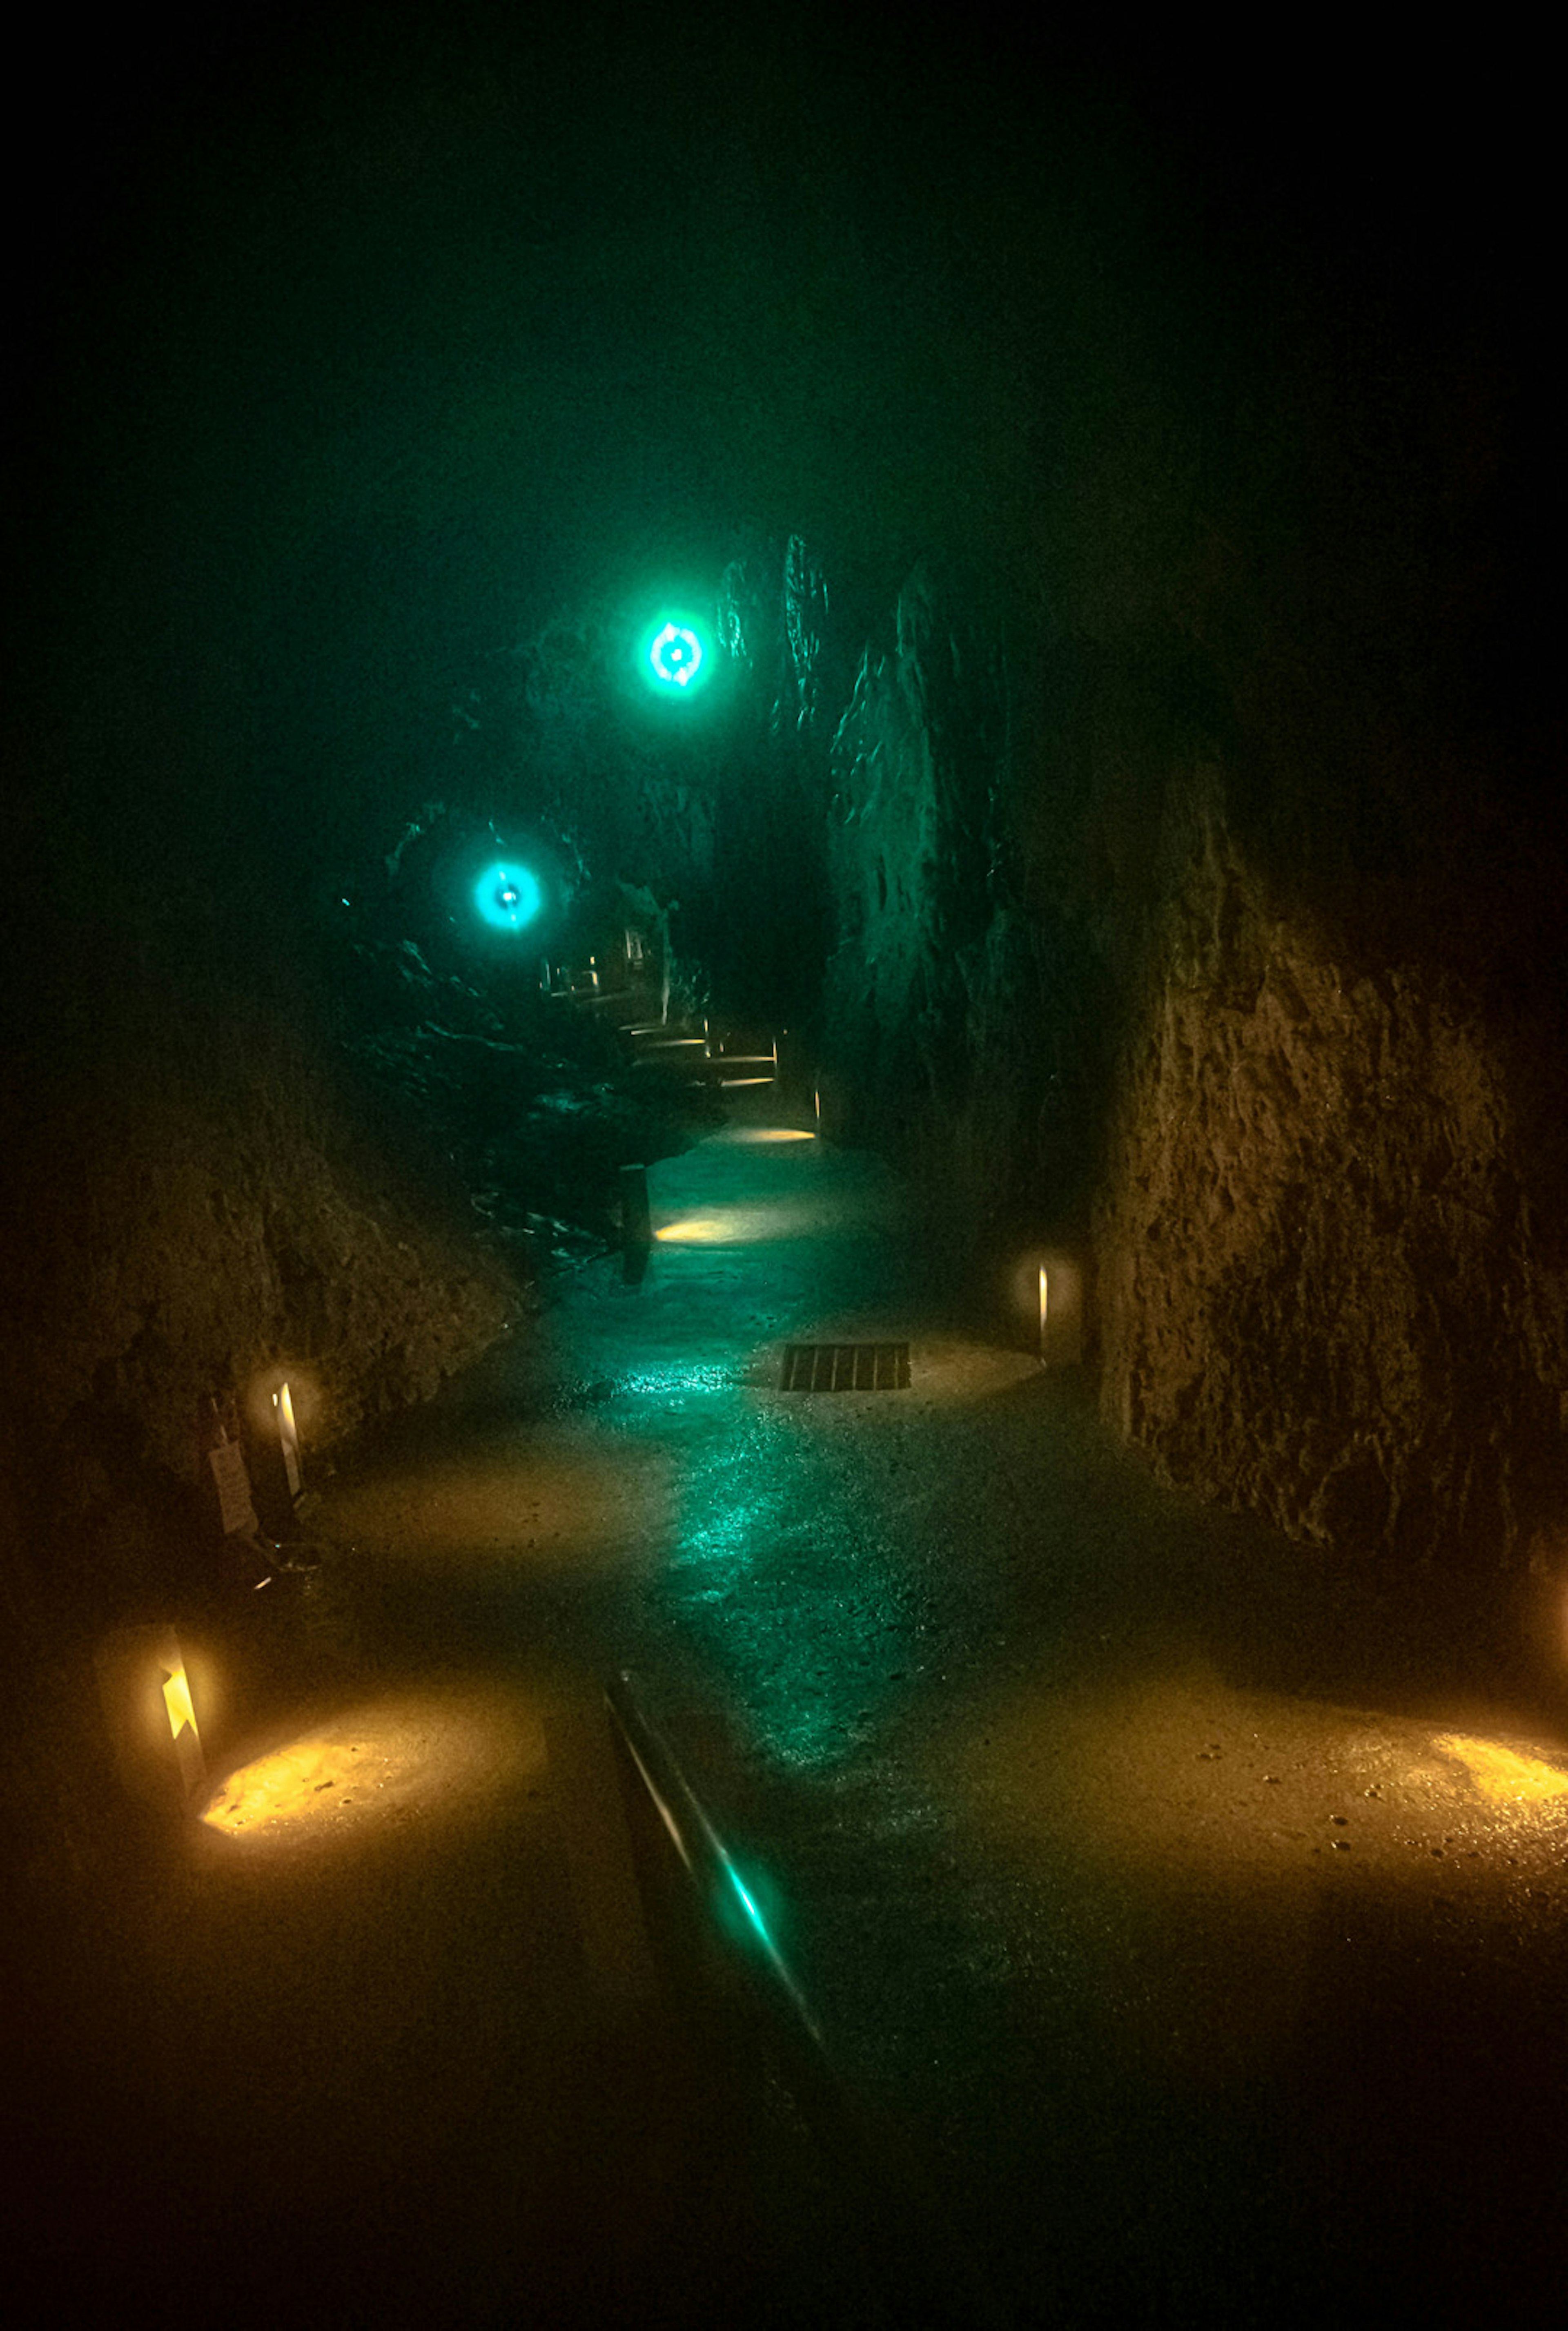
x: 535, y: 1505
x: 1501, y: 1775
x: 421, y: 1754
x: 1188, y: 1775
x: 846, y: 1367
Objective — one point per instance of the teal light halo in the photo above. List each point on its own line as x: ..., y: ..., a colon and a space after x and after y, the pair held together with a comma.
x: 675, y: 658
x: 508, y: 896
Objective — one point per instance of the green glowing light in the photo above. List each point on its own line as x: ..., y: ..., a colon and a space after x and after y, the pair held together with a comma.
x: 771, y: 1951
x: 675, y: 659
x: 676, y: 655
x: 749, y: 1907
x: 508, y: 896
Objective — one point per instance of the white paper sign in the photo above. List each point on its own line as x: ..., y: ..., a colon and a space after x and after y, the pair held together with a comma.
x: 228, y: 1463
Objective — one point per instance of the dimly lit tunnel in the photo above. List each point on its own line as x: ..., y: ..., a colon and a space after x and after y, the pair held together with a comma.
x: 783, y: 1520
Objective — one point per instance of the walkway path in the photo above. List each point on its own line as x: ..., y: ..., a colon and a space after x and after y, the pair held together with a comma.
x: 1201, y: 1935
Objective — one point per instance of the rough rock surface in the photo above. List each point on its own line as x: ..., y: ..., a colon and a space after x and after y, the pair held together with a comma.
x: 199, y: 1213
x: 949, y: 1022
x: 1332, y: 1283
x: 1284, y: 1000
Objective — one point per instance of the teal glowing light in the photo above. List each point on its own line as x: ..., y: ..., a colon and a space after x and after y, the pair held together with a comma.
x: 676, y: 657
x: 770, y: 1953
x: 747, y: 1905
x: 508, y: 896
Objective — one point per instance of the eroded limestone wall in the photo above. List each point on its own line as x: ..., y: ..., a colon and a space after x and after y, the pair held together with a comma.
x: 1292, y: 1008
x: 953, y: 1020
x: 1332, y: 1279
x: 189, y: 1207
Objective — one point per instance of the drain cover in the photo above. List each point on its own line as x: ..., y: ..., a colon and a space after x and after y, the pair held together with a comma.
x: 846, y: 1367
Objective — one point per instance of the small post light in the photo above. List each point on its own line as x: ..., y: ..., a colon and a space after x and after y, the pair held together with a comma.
x: 182, y: 1716
x: 1060, y: 1311
x: 288, y: 1439
x: 636, y: 1215
x: 145, y: 1692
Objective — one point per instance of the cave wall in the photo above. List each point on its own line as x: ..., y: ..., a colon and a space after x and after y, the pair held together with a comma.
x: 1266, y: 1018
x: 1202, y: 903
x: 1333, y: 1282
x: 954, y: 1020
x: 193, y: 1209
x: 1328, y: 883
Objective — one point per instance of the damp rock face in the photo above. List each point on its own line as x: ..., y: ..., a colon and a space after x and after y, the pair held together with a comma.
x: 1277, y: 1051
x: 1205, y: 905
x: 955, y: 1005
x: 1332, y: 1282
x: 1196, y: 923
x: 201, y: 1211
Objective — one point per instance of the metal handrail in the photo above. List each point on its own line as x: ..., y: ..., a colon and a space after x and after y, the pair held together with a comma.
x: 706, y: 1859
x: 907, y: 2226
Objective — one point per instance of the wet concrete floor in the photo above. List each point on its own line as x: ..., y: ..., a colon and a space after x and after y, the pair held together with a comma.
x: 1189, y: 1924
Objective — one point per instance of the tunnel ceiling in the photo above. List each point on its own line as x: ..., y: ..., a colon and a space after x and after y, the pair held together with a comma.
x: 362, y: 345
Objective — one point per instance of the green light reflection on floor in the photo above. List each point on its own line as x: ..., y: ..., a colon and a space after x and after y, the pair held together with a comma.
x: 692, y: 1377
x: 792, y: 1614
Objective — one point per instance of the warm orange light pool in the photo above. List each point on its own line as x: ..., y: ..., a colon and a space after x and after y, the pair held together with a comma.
x: 1502, y: 1776
x: 749, y: 1135
x: 735, y: 1226
x: 389, y: 1761
x: 1185, y: 1772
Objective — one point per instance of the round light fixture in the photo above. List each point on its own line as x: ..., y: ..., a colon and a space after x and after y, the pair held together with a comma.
x: 676, y: 657
x: 508, y: 896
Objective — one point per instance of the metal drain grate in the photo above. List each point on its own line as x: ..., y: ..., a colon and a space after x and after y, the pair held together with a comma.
x: 846, y: 1367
